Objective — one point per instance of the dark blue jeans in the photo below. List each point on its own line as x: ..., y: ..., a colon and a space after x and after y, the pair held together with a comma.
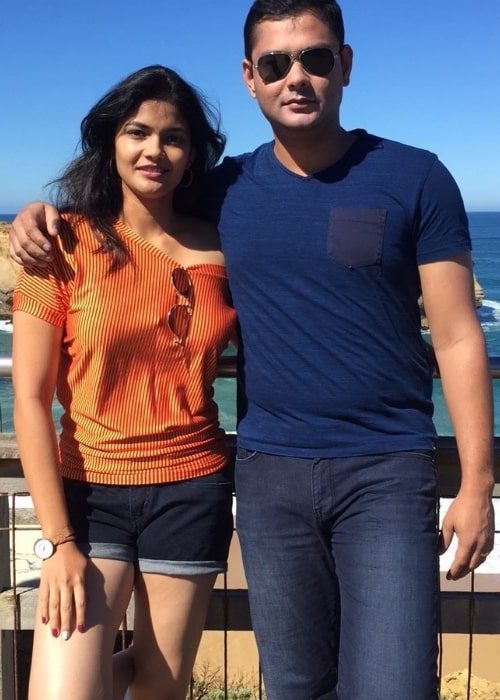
x: 342, y: 568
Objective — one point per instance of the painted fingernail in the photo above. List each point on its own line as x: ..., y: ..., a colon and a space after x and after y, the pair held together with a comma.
x: 44, y: 620
x: 81, y: 628
x: 55, y: 633
x: 65, y: 635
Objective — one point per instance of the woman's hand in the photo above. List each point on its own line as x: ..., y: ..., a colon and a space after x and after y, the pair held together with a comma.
x: 61, y: 601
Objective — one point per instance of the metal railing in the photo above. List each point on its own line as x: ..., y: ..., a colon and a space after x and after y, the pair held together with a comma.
x: 227, y: 367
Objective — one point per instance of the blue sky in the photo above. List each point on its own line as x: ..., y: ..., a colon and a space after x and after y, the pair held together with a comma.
x: 425, y: 73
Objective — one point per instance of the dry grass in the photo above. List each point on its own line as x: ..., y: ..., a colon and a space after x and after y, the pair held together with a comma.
x: 208, y: 684
x: 454, y: 687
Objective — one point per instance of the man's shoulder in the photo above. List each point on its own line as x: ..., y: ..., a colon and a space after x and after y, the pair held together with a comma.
x: 235, y: 165
x: 394, y: 147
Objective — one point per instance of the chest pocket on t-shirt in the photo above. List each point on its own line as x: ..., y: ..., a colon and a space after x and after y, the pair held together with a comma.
x: 355, y: 236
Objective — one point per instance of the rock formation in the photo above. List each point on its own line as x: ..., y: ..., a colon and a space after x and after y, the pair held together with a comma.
x: 8, y: 273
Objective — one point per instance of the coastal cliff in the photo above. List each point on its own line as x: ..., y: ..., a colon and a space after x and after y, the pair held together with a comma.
x: 9, y: 270
x: 8, y: 273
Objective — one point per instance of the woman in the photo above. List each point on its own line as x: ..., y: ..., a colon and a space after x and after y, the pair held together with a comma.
x: 128, y: 323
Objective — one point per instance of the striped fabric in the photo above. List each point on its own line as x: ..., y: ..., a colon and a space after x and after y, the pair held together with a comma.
x: 139, y: 407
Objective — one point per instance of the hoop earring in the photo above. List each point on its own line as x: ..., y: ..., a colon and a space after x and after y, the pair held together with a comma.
x: 189, y: 182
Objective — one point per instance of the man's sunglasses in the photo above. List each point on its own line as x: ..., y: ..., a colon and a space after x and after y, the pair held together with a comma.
x: 275, y: 65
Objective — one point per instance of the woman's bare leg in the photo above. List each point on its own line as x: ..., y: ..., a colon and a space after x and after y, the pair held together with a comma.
x: 170, y: 614
x: 123, y: 672
x: 80, y: 668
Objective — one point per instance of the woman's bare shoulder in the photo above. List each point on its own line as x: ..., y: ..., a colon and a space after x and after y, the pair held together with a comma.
x: 205, y: 232
x: 202, y: 237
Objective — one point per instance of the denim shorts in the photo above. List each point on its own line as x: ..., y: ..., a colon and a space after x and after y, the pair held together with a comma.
x: 182, y: 528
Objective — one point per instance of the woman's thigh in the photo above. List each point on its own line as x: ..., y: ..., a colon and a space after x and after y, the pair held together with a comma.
x: 80, y: 667
x: 170, y: 614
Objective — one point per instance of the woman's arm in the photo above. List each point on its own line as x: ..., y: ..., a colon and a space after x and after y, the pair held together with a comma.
x: 35, y: 354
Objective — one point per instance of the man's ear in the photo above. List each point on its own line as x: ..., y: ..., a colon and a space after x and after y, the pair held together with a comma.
x: 248, y: 76
x: 346, y: 56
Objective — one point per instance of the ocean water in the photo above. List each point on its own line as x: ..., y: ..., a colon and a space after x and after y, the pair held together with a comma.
x: 485, y: 232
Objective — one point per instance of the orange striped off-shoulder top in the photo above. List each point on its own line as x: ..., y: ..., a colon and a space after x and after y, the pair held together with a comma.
x: 138, y: 407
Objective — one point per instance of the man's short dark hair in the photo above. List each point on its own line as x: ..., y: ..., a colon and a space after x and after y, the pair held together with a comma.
x: 326, y: 10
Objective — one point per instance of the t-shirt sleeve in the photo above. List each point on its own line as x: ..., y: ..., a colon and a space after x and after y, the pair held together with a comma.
x: 44, y: 291
x: 443, y: 229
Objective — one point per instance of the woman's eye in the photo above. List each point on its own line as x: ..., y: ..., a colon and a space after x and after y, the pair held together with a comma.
x: 175, y: 139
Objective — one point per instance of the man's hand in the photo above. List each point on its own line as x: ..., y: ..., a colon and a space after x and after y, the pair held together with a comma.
x: 28, y: 241
x: 472, y: 519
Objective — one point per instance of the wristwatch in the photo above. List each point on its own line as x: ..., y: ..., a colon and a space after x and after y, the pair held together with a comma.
x: 45, y: 548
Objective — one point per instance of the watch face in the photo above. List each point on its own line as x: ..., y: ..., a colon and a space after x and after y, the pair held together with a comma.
x: 44, y: 549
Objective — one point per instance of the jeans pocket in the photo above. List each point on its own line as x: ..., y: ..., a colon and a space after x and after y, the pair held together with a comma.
x: 243, y: 456
x: 355, y: 236
x: 425, y: 454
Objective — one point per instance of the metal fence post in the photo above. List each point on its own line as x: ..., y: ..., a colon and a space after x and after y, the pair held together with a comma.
x: 7, y: 685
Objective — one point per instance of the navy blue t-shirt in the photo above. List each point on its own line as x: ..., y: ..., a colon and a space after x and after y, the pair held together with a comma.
x: 323, y: 274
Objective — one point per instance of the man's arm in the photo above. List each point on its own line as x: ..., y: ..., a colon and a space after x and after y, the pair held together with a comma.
x: 28, y: 242
x: 459, y: 344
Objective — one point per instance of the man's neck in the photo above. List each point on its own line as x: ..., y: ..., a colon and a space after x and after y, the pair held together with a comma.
x: 306, y: 154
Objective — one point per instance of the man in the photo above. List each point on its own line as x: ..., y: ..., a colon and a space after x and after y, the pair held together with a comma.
x: 329, y: 237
